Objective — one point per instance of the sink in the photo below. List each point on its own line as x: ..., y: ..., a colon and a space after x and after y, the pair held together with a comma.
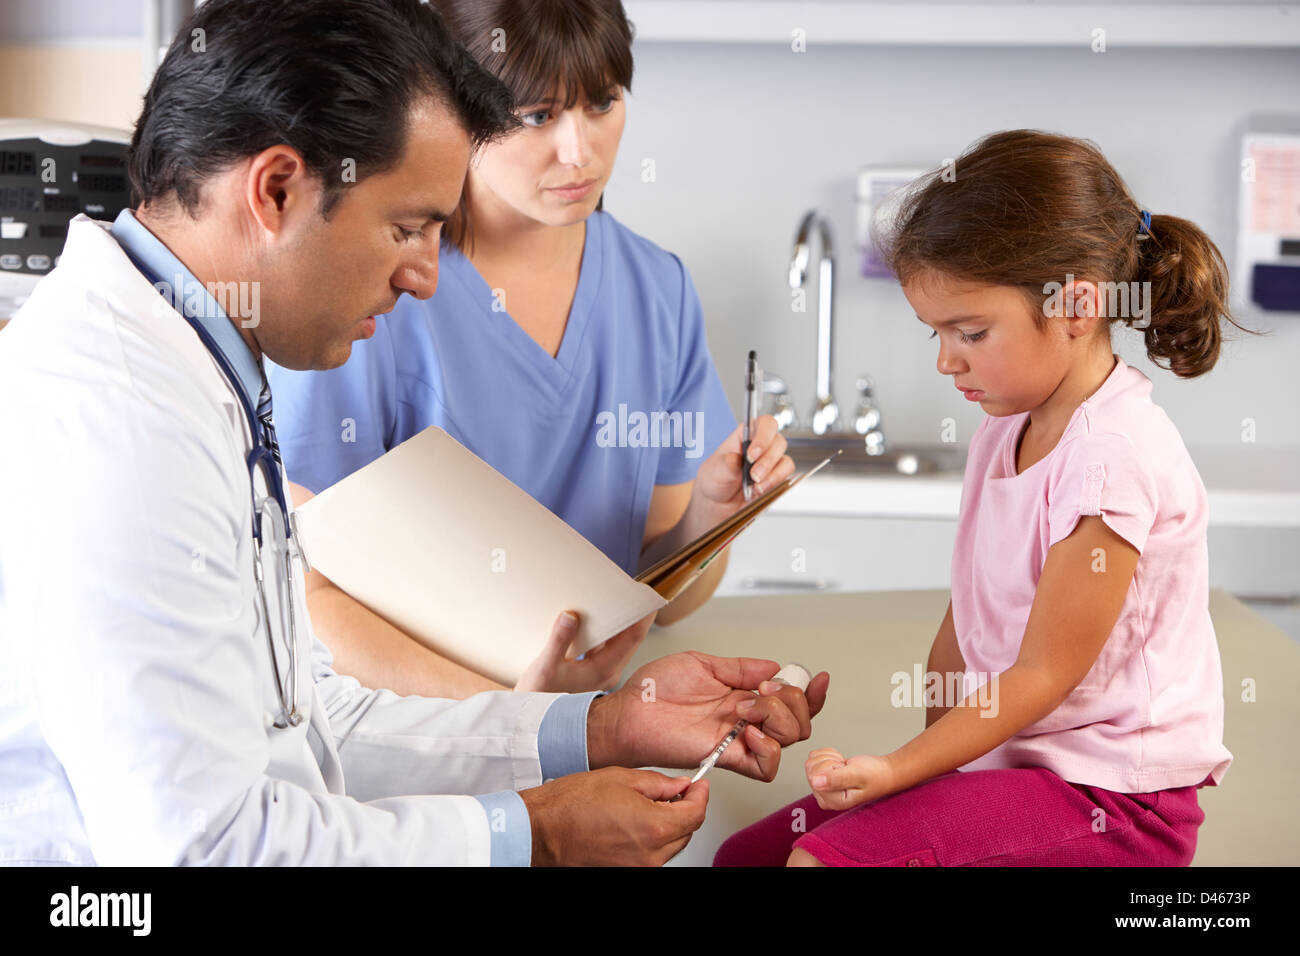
x: 807, y: 449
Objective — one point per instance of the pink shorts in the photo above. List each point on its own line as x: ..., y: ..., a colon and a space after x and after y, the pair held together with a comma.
x: 1021, y: 817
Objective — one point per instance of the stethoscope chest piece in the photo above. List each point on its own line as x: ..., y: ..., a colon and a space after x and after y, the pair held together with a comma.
x: 270, y: 518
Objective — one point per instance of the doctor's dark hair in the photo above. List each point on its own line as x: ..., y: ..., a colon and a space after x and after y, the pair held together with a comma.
x: 333, y: 79
x: 538, y: 48
x: 1025, y: 208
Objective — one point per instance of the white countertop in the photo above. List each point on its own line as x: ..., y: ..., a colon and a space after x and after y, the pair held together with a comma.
x: 1248, y: 485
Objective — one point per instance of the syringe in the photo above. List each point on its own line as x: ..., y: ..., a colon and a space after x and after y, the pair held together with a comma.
x: 795, y: 675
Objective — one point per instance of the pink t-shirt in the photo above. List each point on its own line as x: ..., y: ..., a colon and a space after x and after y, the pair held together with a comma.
x: 1149, y: 714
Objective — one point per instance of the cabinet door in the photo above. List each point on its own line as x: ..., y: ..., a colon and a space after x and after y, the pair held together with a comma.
x: 786, y: 553
x: 781, y: 553
x: 1253, y: 562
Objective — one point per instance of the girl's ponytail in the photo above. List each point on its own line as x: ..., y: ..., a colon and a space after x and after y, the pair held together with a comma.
x: 1188, y: 295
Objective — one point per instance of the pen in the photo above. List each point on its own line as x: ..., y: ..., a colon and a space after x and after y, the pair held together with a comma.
x: 794, y: 675
x: 751, y: 397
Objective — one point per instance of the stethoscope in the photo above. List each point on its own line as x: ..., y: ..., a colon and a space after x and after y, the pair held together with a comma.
x: 264, y: 455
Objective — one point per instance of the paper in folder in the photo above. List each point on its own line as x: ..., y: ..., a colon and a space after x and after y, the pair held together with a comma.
x: 437, y: 542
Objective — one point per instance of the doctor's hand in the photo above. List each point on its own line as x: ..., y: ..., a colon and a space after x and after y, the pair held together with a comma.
x: 718, y: 481
x: 558, y: 670
x: 674, y: 711
x: 613, y: 817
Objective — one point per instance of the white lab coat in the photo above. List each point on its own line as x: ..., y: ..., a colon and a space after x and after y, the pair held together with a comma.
x: 136, y: 693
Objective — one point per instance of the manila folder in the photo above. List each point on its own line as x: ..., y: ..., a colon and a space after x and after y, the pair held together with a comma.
x: 437, y: 542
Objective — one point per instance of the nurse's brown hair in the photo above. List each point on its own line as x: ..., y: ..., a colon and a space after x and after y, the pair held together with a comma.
x: 1026, y: 208
x: 540, y: 48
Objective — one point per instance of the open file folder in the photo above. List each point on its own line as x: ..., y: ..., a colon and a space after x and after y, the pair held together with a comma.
x: 437, y: 542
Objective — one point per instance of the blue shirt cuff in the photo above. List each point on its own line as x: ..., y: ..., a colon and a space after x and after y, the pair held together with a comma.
x: 562, y: 737
x: 512, y: 831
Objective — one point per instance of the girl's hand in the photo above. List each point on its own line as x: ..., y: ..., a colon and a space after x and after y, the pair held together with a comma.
x: 838, y: 783
x: 718, y: 482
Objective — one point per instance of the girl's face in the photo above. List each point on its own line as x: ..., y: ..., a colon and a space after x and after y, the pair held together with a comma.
x: 988, y: 342
x: 555, y: 168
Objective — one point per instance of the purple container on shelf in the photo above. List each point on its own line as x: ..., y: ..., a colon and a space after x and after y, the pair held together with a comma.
x: 879, y: 189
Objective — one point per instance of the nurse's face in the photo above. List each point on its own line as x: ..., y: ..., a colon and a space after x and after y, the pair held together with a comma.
x: 988, y: 341
x: 555, y: 168
x: 380, y: 241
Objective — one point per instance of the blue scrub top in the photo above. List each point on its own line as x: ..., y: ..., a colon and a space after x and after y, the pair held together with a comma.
x: 630, y: 401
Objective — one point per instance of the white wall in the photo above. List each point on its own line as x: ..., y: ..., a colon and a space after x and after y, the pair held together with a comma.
x: 46, y: 21
x: 73, y: 60
x: 746, y: 137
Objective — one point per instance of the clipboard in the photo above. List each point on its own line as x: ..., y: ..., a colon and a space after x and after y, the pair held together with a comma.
x: 672, y: 575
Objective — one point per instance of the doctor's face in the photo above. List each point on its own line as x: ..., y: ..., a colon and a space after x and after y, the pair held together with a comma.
x: 381, y: 240
x: 555, y: 168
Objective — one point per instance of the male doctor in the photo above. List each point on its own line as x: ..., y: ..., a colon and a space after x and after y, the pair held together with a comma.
x: 295, y: 157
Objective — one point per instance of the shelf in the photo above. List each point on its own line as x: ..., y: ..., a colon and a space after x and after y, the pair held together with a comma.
x: 967, y: 24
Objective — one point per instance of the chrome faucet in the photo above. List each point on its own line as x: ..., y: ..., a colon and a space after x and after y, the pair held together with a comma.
x: 825, y: 420
x: 866, y: 419
x: 776, y: 402
x: 826, y: 414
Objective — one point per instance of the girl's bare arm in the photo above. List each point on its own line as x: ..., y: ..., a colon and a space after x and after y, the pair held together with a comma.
x: 1079, y: 597
x: 945, y: 658
x: 1074, y: 611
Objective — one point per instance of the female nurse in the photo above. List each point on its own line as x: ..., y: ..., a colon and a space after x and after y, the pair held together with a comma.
x: 554, y: 332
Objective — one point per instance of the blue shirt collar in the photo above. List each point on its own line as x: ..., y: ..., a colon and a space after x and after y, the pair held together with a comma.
x: 188, y: 295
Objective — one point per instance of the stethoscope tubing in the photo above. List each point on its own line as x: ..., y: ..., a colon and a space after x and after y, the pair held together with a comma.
x: 260, y: 456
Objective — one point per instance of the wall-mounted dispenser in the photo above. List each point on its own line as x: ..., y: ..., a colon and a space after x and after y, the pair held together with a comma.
x: 1268, y: 214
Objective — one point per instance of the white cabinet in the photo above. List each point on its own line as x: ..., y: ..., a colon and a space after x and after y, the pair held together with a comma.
x: 852, y: 533
x: 1255, y: 562
x: 784, y: 552
x: 794, y: 552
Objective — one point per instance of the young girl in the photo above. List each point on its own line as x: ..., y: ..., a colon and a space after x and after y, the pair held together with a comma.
x: 1079, y: 603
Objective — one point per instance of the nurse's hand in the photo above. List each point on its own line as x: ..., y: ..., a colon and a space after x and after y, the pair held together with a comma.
x: 672, y: 712
x: 613, y: 817
x: 557, y: 669
x: 718, y: 481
